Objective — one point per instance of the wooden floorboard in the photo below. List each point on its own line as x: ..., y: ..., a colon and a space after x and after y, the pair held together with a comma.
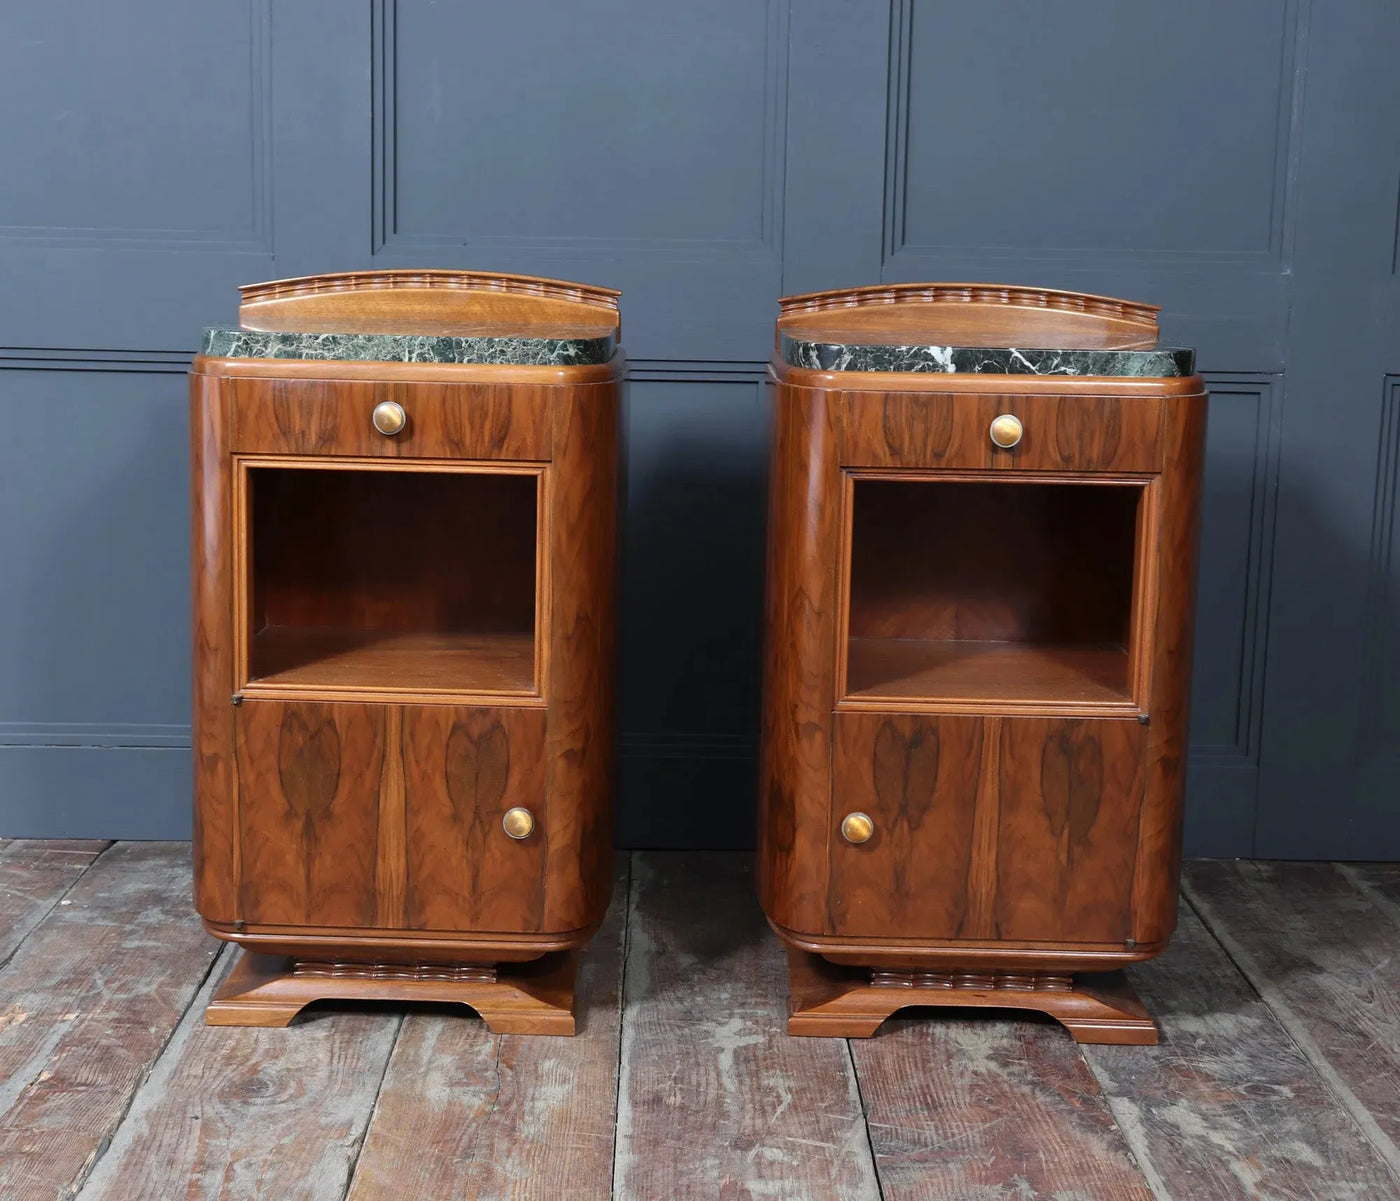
x: 464, y: 1113
x: 34, y: 876
x: 716, y: 1100
x: 1227, y: 1106
x: 994, y: 1105
x: 89, y: 1000
x: 1325, y: 957
x: 236, y: 1114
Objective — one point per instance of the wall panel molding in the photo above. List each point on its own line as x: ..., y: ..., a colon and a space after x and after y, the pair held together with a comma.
x: 256, y: 238
x: 1378, y: 723
x: 904, y: 255
x: 387, y: 238
x: 1240, y: 748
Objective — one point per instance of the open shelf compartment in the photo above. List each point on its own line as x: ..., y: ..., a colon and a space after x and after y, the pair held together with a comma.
x: 397, y: 580
x: 993, y: 592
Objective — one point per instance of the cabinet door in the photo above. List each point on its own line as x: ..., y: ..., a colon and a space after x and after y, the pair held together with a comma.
x: 309, y: 782
x: 1019, y: 829
x: 1067, y: 832
x: 918, y: 778
x: 389, y: 816
x: 462, y: 769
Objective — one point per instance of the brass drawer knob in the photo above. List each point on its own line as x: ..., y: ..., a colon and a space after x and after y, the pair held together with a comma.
x: 389, y: 417
x: 1006, y: 430
x: 518, y: 822
x: 857, y: 828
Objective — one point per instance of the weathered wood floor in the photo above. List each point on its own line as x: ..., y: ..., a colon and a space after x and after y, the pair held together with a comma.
x: 1279, y: 1076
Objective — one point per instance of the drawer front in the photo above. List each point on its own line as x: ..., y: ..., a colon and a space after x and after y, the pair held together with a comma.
x: 1016, y: 829
x: 953, y: 430
x: 442, y: 421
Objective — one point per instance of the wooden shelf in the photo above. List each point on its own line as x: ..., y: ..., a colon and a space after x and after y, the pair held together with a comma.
x: 986, y: 673
x: 308, y: 658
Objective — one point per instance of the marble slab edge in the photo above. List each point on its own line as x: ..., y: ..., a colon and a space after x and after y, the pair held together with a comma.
x: 227, y: 342
x: 1157, y: 363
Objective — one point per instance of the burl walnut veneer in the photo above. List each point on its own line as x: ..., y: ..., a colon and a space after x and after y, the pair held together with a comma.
x: 404, y: 563
x: 981, y: 574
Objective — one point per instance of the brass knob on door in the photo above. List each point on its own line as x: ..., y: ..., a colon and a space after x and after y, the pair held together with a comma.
x: 389, y: 417
x: 857, y: 827
x: 518, y: 822
x: 1006, y: 430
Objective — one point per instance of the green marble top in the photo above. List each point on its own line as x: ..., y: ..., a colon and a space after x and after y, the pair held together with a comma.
x: 234, y: 342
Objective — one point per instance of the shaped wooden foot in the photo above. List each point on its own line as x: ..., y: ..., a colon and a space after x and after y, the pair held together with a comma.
x: 534, y: 998
x: 846, y: 1002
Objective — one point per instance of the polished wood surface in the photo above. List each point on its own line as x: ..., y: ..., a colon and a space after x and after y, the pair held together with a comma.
x: 430, y: 302
x: 969, y: 315
x: 400, y: 637
x: 302, y: 660
x: 283, y: 416
x: 1069, y: 432
x: 959, y: 673
x: 835, y: 1002
x: 535, y: 998
x: 1274, y: 1076
x: 986, y: 650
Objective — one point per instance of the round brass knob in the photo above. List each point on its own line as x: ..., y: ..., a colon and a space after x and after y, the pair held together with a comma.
x: 518, y: 822
x: 389, y: 417
x: 1006, y: 431
x: 857, y: 827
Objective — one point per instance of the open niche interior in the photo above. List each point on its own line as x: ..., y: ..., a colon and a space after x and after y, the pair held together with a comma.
x: 404, y: 579
x: 990, y: 593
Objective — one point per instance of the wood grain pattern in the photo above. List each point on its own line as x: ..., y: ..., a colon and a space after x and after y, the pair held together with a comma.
x: 212, y: 600
x: 922, y: 429
x: 308, y: 794
x: 914, y: 672
x: 969, y: 314
x: 1324, y: 957
x: 33, y: 879
x: 1173, y: 624
x: 429, y: 302
x: 445, y: 421
x: 918, y: 779
x: 740, y: 1109
x: 1228, y: 1106
x: 964, y: 1109
x: 1071, y: 796
x: 582, y: 639
x: 463, y: 768
x: 88, y: 1002
x: 236, y: 1114
x: 467, y: 1114
x: 309, y: 661
x: 799, y: 660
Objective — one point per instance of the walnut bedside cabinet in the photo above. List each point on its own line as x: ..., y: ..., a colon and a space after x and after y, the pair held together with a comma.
x: 404, y: 563
x: 981, y: 578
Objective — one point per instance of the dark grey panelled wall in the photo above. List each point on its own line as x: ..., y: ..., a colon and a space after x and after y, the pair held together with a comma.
x: 1238, y: 164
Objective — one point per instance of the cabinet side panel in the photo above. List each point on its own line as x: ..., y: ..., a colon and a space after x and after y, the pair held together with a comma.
x: 580, y: 665
x: 309, y: 781
x: 1071, y: 795
x: 804, y: 534
x: 463, y: 768
x: 1159, y: 846
x: 211, y: 565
